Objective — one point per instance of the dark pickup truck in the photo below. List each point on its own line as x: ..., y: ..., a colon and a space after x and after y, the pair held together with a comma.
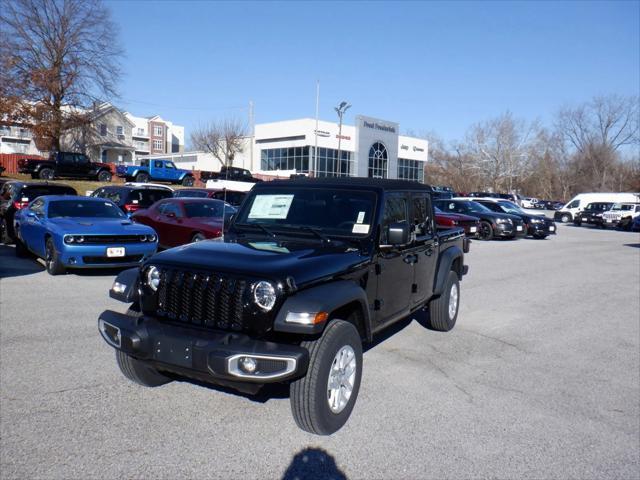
x: 66, y: 164
x: 230, y: 173
x: 308, y: 272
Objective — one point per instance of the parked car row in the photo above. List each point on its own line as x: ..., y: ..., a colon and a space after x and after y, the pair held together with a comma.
x: 117, y: 226
x: 490, y: 218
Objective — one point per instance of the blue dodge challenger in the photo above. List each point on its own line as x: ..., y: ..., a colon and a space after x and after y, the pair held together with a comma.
x: 81, y: 232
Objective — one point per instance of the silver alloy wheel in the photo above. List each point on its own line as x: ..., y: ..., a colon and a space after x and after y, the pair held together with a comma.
x: 342, y: 376
x: 453, y: 301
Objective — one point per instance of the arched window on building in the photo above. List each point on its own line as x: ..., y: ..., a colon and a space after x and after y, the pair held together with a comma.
x: 378, y: 160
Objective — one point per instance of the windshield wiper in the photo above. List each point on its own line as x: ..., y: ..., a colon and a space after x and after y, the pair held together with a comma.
x: 260, y: 226
x: 316, y: 232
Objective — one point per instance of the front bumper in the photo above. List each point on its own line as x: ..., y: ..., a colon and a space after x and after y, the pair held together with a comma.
x: 209, y: 355
x: 541, y: 229
x: 509, y: 230
x: 95, y: 256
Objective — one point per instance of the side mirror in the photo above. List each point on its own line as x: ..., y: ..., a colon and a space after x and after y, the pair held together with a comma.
x: 31, y: 214
x: 398, y: 233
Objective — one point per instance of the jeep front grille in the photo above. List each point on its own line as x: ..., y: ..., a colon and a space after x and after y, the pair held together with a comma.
x: 206, y: 299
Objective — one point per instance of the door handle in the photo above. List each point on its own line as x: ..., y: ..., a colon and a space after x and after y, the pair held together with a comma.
x: 410, y: 259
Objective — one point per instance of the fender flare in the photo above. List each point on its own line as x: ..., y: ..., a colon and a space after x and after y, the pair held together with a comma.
x: 328, y: 297
x: 445, y: 264
x: 130, y: 279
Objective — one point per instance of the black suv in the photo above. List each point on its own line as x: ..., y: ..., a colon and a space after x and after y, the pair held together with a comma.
x: 538, y: 226
x: 592, y: 214
x: 492, y: 224
x: 15, y: 195
x: 133, y: 198
x: 308, y: 271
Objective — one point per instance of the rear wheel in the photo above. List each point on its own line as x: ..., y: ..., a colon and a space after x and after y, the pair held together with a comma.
x: 187, y: 181
x: 46, y: 174
x: 52, y: 259
x: 142, y: 177
x: 486, y: 231
x: 322, y: 400
x: 198, y: 237
x: 443, y: 311
x: 104, y: 176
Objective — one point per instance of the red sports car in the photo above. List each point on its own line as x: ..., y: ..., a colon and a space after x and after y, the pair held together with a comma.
x: 184, y: 220
x: 471, y: 225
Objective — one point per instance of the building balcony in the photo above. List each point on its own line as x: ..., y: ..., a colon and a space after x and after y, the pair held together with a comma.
x: 15, y: 132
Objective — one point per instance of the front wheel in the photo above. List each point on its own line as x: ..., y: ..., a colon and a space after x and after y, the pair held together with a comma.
x: 565, y: 218
x: 486, y: 231
x: 198, y: 237
x: 443, y: 311
x: 322, y: 401
x: 52, y: 259
x: 104, y: 176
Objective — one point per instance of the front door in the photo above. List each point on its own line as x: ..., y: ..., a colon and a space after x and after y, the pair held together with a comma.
x: 394, y: 266
x: 66, y: 165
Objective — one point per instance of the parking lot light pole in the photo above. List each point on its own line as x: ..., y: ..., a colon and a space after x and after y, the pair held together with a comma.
x: 340, y: 109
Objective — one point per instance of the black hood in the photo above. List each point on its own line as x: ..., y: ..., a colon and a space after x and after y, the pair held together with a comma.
x: 493, y: 216
x: 304, y: 261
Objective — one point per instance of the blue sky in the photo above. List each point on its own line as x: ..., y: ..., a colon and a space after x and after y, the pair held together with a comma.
x: 431, y: 66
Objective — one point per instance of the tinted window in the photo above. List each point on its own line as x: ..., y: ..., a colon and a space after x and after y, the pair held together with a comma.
x: 147, y: 197
x: 395, y: 211
x: 421, y: 215
x: 234, y: 198
x: 207, y: 209
x: 157, y: 164
x: 574, y: 204
x: 190, y: 194
x: 32, y: 192
x: 67, y: 158
x: 83, y: 208
x: 168, y: 208
x: 37, y: 207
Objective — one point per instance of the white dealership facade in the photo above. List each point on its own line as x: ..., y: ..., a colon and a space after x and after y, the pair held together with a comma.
x: 370, y: 148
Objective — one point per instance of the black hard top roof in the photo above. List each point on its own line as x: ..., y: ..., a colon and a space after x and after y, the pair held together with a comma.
x: 359, y: 182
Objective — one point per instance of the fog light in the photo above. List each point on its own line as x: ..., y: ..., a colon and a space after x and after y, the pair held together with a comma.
x: 248, y: 364
x: 118, y: 287
x: 72, y: 260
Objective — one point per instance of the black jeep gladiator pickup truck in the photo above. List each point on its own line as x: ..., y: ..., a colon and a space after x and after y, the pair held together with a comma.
x: 309, y: 270
x: 66, y: 164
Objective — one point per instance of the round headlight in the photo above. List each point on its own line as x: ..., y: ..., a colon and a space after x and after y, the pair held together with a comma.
x: 153, y: 278
x: 79, y: 239
x: 151, y: 238
x: 68, y: 239
x: 264, y: 294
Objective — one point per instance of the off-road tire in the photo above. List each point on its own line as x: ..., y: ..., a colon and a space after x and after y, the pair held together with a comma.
x: 136, y: 370
x: 142, y: 177
x: 104, y: 176
x: 188, y: 181
x: 308, y: 395
x: 439, y: 317
x: 486, y: 231
x: 52, y: 259
x: 46, y: 174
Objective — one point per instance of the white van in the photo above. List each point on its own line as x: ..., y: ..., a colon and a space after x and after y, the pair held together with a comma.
x: 580, y: 201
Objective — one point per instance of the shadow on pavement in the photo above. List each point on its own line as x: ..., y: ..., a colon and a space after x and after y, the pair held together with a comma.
x: 313, y: 463
x: 634, y: 245
x: 12, y: 266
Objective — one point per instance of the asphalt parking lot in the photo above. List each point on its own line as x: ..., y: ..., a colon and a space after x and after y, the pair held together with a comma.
x: 539, y: 379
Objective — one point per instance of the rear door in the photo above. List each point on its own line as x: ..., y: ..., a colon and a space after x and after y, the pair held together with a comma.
x: 395, y: 265
x: 425, y: 248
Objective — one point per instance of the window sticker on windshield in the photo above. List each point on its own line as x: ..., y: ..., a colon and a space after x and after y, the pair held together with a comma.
x: 360, y: 217
x: 271, y: 206
x: 360, y: 228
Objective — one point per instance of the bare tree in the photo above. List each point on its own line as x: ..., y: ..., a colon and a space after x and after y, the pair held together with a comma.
x: 596, y: 132
x: 500, y: 149
x: 57, y: 57
x: 223, y: 139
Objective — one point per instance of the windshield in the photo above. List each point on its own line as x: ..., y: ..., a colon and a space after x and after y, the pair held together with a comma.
x: 509, y: 207
x: 211, y: 209
x: 84, y: 208
x: 35, y: 192
x: 620, y: 206
x: 147, y: 197
x: 190, y: 194
x: 334, y: 211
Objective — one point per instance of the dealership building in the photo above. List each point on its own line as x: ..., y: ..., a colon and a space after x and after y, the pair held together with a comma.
x: 370, y: 148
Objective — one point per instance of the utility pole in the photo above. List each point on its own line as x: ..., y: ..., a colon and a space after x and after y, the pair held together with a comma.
x: 340, y: 109
x: 252, y: 137
x: 314, y: 166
